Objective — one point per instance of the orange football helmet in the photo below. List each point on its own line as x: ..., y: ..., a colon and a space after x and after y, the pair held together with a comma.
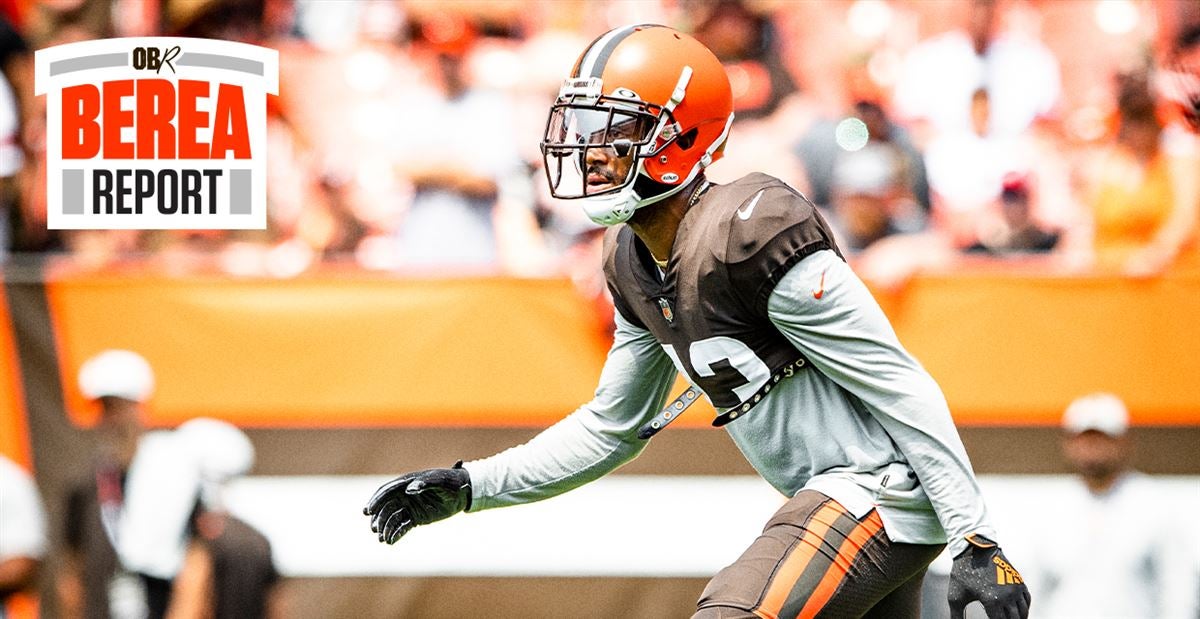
x: 646, y: 108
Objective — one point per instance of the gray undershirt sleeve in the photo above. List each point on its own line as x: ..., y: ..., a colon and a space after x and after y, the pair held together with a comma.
x: 590, y: 442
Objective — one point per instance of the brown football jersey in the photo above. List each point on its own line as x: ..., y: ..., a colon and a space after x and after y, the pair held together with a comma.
x: 709, y: 308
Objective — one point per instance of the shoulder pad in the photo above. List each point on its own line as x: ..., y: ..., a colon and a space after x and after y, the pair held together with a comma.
x: 770, y: 227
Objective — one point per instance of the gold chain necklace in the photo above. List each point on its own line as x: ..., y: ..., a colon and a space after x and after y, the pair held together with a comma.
x: 696, y: 193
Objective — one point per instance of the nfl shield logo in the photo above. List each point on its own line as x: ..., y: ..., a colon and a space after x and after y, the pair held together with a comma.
x: 666, y: 310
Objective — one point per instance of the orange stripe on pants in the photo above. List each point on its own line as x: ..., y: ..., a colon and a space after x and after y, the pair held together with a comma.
x: 793, y: 566
x: 836, y: 573
x: 22, y: 605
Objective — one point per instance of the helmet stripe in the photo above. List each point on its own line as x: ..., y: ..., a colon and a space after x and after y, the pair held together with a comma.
x: 592, y: 63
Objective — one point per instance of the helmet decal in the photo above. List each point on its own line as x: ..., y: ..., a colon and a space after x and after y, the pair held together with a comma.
x: 595, y: 57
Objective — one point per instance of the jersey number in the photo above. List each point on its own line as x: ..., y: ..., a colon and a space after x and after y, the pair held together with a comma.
x: 726, y: 370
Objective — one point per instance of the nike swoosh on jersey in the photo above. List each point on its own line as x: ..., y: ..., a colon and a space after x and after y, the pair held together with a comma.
x: 744, y: 213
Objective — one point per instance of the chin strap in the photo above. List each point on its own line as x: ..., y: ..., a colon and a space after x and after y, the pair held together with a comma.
x: 707, y: 159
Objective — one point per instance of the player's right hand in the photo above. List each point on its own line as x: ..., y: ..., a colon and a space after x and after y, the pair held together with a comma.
x: 981, y: 572
x: 418, y: 498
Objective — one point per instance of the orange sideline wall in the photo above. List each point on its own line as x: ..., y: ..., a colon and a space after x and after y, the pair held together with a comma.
x: 1013, y: 349
x: 365, y: 350
x: 338, y: 351
x: 14, y: 432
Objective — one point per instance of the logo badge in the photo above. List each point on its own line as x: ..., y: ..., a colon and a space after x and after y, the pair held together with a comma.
x: 667, y: 313
x: 744, y: 213
x: 1006, y: 574
x: 820, y: 291
x: 156, y: 133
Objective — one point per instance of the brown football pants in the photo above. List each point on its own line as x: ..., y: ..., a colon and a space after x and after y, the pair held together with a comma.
x: 814, y: 559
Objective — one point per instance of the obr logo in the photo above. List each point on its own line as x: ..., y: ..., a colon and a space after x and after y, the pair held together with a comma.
x: 150, y: 58
x: 156, y: 133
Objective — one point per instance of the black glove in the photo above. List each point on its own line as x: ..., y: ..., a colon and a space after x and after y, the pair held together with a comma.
x: 418, y: 498
x: 982, y: 573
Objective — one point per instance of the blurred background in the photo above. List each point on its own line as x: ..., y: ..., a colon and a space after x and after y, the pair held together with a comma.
x: 1017, y: 180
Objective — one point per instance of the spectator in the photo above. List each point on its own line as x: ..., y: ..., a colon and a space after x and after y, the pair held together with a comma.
x: 49, y: 22
x: 454, y: 145
x: 868, y: 194
x: 22, y: 536
x: 230, y: 20
x: 769, y: 113
x: 819, y: 151
x: 867, y: 175
x: 1116, y: 552
x: 746, y: 42
x: 1181, y: 140
x: 878, y: 197
x: 57, y: 23
x: 1141, y: 194
x: 92, y: 584
x: 967, y: 170
x: 941, y: 75
x: 1017, y: 232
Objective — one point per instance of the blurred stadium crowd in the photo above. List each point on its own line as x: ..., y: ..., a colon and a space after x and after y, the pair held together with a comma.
x: 405, y: 135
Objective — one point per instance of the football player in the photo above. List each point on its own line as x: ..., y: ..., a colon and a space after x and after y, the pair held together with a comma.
x: 740, y: 288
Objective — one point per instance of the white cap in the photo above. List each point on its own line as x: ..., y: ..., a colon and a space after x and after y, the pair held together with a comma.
x: 1103, y: 412
x: 222, y: 451
x: 119, y: 373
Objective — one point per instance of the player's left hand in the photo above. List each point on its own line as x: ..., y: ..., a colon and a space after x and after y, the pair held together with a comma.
x: 982, y: 573
x: 418, y: 498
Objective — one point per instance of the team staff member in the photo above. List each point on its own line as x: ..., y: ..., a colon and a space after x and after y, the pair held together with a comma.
x: 742, y: 289
x: 1118, y: 558
x: 92, y: 584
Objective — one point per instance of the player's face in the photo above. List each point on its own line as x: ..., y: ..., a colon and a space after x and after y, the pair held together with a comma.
x: 593, y: 150
x: 120, y: 428
x: 606, y: 169
x: 1095, y: 454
